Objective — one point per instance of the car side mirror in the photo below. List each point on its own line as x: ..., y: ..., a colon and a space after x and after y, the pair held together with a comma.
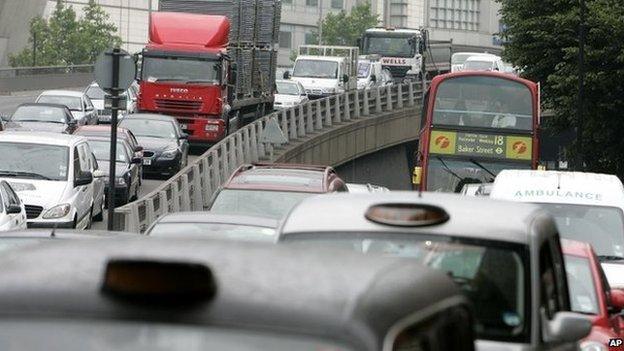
x: 345, y: 78
x: 138, y: 148
x: 72, y: 123
x: 286, y: 75
x: 99, y: 174
x: 183, y: 136
x: 5, y: 118
x: 617, y: 299
x: 137, y: 160
x: 373, y: 78
x: 89, y: 108
x: 565, y: 327
x: 13, y: 209
x: 84, y: 178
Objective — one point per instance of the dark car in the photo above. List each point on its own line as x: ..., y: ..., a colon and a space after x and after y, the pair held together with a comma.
x: 104, y: 131
x: 271, y: 190
x: 165, y: 145
x: 209, y: 225
x: 42, y: 118
x: 127, y: 173
x: 151, y: 294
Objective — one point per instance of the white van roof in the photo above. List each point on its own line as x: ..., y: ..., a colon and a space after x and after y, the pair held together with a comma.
x: 483, y: 58
x: 320, y: 58
x: 559, y: 187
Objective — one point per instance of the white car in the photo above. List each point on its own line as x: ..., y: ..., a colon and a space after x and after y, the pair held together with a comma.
x: 371, y: 74
x: 484, y: 63
x: 289, y: 93
x: 56, y: 177
x: 459, y: 58
x: 12, y: 210
x: 96, y: 95
x: 78, y: 103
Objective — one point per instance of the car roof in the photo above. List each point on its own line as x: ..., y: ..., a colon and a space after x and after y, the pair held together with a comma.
x: 152, y: 116
x: 469, y: 217
x: 44, y: 138
x: 317, y: 292
x: 576, y: 248
x: 483, y: 58
x: 44, y: 104
x: 581, y: 188
x: 62, y: 93
x: 99, y: 129
x: 63, y: 234
x: 208, y: 217
x: 285, y: 177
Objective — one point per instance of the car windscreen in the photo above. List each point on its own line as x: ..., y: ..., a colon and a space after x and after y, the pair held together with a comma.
x: 95, y: 93
x: 315, y: 69
x: 72, y: 102
x: 179, y: 69
x: 98, y: 335
x: 287, y: 88
x: 101, y: 150
x: 581, y: 285
x: 363, y: 69
x: 32, y: 113
x: 483, y: 102
x: 263, y: 203
x: 493, y: 275
x: 149, y: 128
x: 601, y: 226
x: 34, y: 161
x: 213, y: 231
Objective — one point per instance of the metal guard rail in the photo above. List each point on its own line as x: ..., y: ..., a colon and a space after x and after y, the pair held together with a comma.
x: 193, y: 187
x: 11, y: 72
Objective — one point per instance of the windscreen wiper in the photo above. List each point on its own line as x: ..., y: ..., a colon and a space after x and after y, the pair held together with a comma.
x: 482, y: 167
x: 24, y: 174
x: 610, y: 258
x: 447, y: 169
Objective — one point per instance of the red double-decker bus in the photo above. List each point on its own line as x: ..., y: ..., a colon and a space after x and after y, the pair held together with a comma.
x: 475, y: 124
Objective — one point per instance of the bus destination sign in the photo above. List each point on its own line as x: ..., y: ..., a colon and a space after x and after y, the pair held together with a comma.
x: 481, y: 145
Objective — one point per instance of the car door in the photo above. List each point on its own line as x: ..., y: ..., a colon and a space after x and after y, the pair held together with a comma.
x: 17, y: 220
x: 134, y: 168
x: 182, y: 142
x: 84, y: 195
x: 98, y: 185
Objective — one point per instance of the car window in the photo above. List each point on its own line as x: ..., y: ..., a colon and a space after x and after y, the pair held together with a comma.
x: 5, y: 198
x: 88, y: 102
x: 13, y: 198
x: 550, y: 299
x: 76, y: 161
x: 84, y: 153
x: 581, y: 283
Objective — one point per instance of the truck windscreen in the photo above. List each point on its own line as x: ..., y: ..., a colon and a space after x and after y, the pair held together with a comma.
x: 485, y: 102
x: 315, y: 69
x: 389, y: 46
x: 180, y: 69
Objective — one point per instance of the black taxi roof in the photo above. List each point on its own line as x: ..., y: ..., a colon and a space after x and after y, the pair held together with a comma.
x: 348, y: 298
x: 477, y: 218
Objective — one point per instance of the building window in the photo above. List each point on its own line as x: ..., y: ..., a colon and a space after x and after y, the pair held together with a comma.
x: 285, y: 40
x: 337, y: 4
x: 455, y: 15
x: 310, y: 38
x: 311, y: 2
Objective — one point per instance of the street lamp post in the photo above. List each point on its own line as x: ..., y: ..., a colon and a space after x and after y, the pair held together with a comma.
x: 581, y: 89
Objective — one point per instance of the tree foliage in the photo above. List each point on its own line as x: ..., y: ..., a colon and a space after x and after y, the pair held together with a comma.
x: 65, y: 39
x: 542, y: 38
x: 344, y: 29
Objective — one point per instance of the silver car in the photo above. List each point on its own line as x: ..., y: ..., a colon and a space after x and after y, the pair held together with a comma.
x: 96, y: 94
x: 506, y: 257
x: 78, y: 103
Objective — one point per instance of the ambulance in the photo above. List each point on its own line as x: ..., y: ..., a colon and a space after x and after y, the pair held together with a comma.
x: 587, y: 207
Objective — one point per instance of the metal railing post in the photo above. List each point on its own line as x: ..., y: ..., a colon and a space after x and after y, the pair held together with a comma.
x: 164, y: 203
x: 185, y: 194
x: 365, y: 106
x: 198, y: 201
x: 400, y: 96
x: 328, y: 112
x: 150, y: 216
x: 318, y: 114
x: 356, y: 104
x: 301, y: 121
x: 347, y: 107
x: 389, y: 98
x: 284, y: 124
x: 337, y: 117
x: 378, y: 100
x: 309, y: 118
x: 410, y: 92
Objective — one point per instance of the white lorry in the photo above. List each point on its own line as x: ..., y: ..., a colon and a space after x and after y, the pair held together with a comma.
x: 325, y: 70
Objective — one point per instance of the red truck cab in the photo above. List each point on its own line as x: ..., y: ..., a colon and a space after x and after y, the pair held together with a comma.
x: 184, y: 73
x: 590, y: 294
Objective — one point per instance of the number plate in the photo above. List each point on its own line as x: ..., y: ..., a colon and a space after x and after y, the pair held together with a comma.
x: 183, y: 126
x: 147, y: 161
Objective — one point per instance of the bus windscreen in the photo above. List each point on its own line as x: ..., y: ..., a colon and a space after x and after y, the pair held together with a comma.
x: 483, y: 102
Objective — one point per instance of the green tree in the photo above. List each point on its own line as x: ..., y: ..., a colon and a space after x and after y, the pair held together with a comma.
x: 66, y: 40
x: 344, y: 29
x: 542, y: 39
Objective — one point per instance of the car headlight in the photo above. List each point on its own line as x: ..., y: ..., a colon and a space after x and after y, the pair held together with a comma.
x: 58, y: 211
x: 169, y: 154
x: 592, y: 346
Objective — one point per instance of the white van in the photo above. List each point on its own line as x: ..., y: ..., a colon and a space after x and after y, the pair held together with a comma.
x: 56, y: 177
x: 484, y: 63
x: 587, y: 207
x: 371, y: 74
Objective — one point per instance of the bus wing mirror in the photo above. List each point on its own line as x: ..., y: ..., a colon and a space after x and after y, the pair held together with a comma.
x: 417, y: 175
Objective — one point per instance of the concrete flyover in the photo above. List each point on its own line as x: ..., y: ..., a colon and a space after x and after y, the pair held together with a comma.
x: 332, y: 131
